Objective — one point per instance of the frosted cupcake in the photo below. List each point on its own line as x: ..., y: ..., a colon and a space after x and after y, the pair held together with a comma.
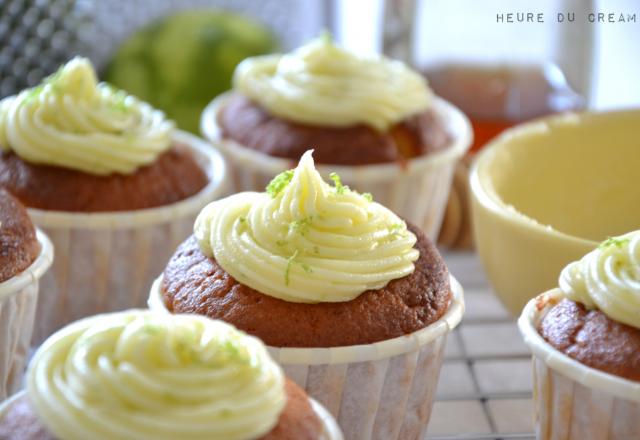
x: 374, y: 120
x: 110, y: 180
x: 141, y: 375
x: 25, y: 255
x: 585, y: 337
x: 355, y: 304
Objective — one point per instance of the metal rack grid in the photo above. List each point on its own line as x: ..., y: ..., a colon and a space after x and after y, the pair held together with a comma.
x: 485, y: 384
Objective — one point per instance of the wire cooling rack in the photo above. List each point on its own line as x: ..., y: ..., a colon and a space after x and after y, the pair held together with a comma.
x: 485, y: 385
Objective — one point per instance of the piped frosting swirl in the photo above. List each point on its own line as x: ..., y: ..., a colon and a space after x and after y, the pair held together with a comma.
x: 306, y: 241
x: 139, y: 375
x: 608, y: 279
x: 323, y: 84
x: 72, y: 121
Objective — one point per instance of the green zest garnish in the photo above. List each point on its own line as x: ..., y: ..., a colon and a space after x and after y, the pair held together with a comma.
x: 614, y: 241
x: 301, y: 226
x: 326, y: 37
x: 290, y: 262
x: 397, y: 230
x: 51, y: 80
x: 279, y: 182
x: 225, y: 413
x: 119, y: 102
x: 242, y: 224
x: 340, y: 188
x: 368, y: 197
x: 34, y: 92
x: 151, y: 329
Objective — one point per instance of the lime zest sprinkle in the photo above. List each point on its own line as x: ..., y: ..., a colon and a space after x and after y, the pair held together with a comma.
x: 368, y: 197
x: 306, y: 268
x: 281, y: 243
x: 326, y: 37
x: 34, y: 92
x: 290, y: 262
x: 279, y: 182
x: 397, y: 230
x: 225, y: 413
x: 614, y: 241
x: 301, y: 226
x: 339, y: 187
x: 119, y: 98
x: 242, y: 225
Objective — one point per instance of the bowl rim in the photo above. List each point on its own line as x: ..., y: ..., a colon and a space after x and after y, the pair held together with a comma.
x: 459, y: 144
x: 487, y: 196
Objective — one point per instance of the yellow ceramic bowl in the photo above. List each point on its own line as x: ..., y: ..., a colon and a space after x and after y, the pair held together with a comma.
x: 546, y: 192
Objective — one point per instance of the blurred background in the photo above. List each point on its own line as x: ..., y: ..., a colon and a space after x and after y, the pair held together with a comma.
x: 484, y: 56
x: 599, y: 60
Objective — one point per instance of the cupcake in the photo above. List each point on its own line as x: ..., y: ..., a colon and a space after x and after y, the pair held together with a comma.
x: 142, y: 375
x: 25, y: 255
x: 371, y: 119
x: 585, y: 338
x: 110, y: 180
x: 353, y: 303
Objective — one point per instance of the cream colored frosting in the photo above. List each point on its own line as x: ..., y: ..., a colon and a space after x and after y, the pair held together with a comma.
x: 323, y: 84
x: 608, y: 279
x: 139, y: 375
x: 306, y: 241
x: 72, y: 121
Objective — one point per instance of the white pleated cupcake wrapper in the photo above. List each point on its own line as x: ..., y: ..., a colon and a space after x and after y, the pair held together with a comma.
x: 330, y: 428
x: 380, y: 391
x: 573, y: 401
x: 418, y: 191
x: 18, y: 298
x: 107, y: 261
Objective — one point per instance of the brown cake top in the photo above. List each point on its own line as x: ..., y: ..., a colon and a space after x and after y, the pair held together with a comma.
x: 592, y: 338
x: 250, y: 125
x: 174, y: 176
x: 19, y: 246
x: 195, y: 283
x: 297, y: 420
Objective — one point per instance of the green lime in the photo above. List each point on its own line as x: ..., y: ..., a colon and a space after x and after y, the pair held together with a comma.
x: 181, y: 62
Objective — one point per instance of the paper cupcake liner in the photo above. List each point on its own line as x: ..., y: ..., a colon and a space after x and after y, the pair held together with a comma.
x: 107, y: 261
x: 380, y: 391
x: 573, y: 401
x: 417, y: 191
x: 330, y: 429
x: 18, y: 298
